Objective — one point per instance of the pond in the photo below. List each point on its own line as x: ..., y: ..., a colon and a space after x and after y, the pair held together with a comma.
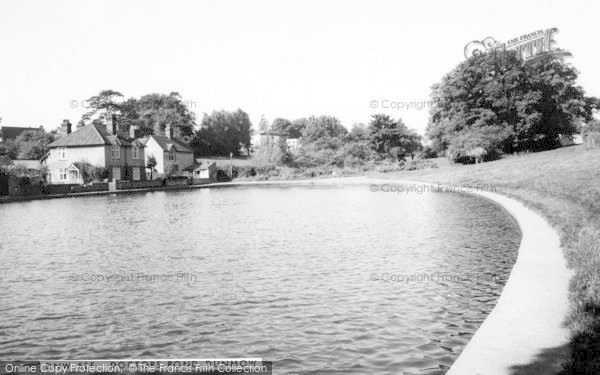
x: 315, y: 279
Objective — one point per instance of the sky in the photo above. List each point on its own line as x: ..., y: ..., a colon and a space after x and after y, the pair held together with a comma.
x: 286, y: 59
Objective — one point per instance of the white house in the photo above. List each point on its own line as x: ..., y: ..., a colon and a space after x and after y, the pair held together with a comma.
x: 97, y: 145
x: 172, y: 154
x: 201, y: 169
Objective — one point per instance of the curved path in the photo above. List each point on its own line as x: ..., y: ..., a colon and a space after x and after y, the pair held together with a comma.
x: 528, y: 317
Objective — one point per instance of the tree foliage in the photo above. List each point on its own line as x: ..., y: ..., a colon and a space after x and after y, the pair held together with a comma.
x: 393, y: 137
x: 321, y: 128
x: 222, y: 133
x: 292, y: 129
x: 506, y: 106
x: 103, y: 105
x: 151, y: 113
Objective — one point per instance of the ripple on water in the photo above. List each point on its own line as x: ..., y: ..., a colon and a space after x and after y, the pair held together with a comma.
x: 279, y: 273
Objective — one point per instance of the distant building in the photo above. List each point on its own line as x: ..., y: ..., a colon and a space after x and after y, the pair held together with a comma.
x: 172, y: 153
x: 201, y: 169
x: 293, y: 143
x: 98, y: 145
x: 12, y: 132
x: 271, y: 137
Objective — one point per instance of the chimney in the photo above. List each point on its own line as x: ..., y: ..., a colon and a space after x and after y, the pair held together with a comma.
x: 169, y: 132
x: 65, y: 127
x: 133, y: 131
x: 80, y: 124
x: 111, y: 124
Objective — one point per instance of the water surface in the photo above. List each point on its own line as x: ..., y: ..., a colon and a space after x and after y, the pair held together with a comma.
x: 282, y: 273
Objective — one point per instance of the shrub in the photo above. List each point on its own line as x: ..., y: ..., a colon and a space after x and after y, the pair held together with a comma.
x: 413, y: 165
x: 592, y: 139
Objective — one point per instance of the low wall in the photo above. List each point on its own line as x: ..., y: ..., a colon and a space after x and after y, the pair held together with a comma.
x: 125, y: 185
x: 58, y: 188
x: 99, y: 186
x: 177, y: 182
x: 201, y: 181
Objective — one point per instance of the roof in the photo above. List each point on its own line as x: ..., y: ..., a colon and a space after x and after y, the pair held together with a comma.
x: 12, y: 132
x: 274, y: 133
x: 169, y: 144
x: 90, y: 135
x: 202, y: 164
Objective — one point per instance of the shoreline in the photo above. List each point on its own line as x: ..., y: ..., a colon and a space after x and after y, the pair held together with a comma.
x: 528, y: 318
x: 529, y: 314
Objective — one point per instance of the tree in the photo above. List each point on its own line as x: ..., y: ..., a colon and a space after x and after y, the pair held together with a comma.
x: 151, y: 164
x: 263, y: 124
x: 298, y: 127
x: 9, y: 149
x: 318, y: 128
x: 292, y: 129
x: 154, y: 112
x: 507, y: 105
x: 359, y: 132
x: 32, y: 144
x: 222, y: 133
x: 389, y: 137
x: 103, y: 106
x: 272, y: 154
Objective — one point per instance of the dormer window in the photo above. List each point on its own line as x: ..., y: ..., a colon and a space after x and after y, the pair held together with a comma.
x: 136, y: 152
x: 115, y: 152
x: 62, y: 153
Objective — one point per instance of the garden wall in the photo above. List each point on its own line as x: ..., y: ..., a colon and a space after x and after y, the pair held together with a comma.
x: 124, y: 185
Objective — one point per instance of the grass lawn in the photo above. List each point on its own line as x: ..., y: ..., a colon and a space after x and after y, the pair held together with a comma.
x: 564, y: 186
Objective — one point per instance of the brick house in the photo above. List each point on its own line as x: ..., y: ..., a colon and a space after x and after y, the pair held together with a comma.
x: 123, y: 158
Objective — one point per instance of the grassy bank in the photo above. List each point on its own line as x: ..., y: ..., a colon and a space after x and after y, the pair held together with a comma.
x: 564, y: 186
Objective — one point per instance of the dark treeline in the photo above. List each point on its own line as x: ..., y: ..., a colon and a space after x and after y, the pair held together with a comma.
x: 487, y: 107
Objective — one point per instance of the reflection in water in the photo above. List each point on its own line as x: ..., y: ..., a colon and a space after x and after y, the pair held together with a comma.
x: 279, y: 273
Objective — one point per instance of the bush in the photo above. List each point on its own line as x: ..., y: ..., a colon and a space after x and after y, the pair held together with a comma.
x: 99, y: 173
x: 413, y: 165
x: 429, y: 152
x: 592, y: 139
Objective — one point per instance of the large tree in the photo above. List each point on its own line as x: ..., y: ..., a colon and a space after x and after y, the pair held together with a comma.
x: 504, y: 105
x: 102, y: 106
x: 393, y: 137
x: 321, y: 128
x: 32, y: 144
x: 292, y: 129
x: 157, y: 111
x: 222, y: 133
x: 152, y: 113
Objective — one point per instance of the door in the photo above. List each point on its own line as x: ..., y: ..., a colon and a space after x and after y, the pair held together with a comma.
x: 116, y: 173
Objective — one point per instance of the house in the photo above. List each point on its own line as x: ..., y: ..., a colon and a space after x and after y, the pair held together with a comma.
x: 12, y: 132
x: 98, y: 145
x: 272, y: 137
x: 204, y: 169
x: 172, y: 154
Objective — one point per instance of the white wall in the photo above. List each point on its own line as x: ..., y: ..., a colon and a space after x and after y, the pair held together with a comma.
x: 93, y: 155
x: 154, y: 149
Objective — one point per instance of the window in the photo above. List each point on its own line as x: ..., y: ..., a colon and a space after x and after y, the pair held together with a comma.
x: 62, y: 174
x: 172, y: 156
x: 136, y: 174
x: 116, y: 173
x: 62, y: 153
x: 136, y: 152
x: 115, y: 152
